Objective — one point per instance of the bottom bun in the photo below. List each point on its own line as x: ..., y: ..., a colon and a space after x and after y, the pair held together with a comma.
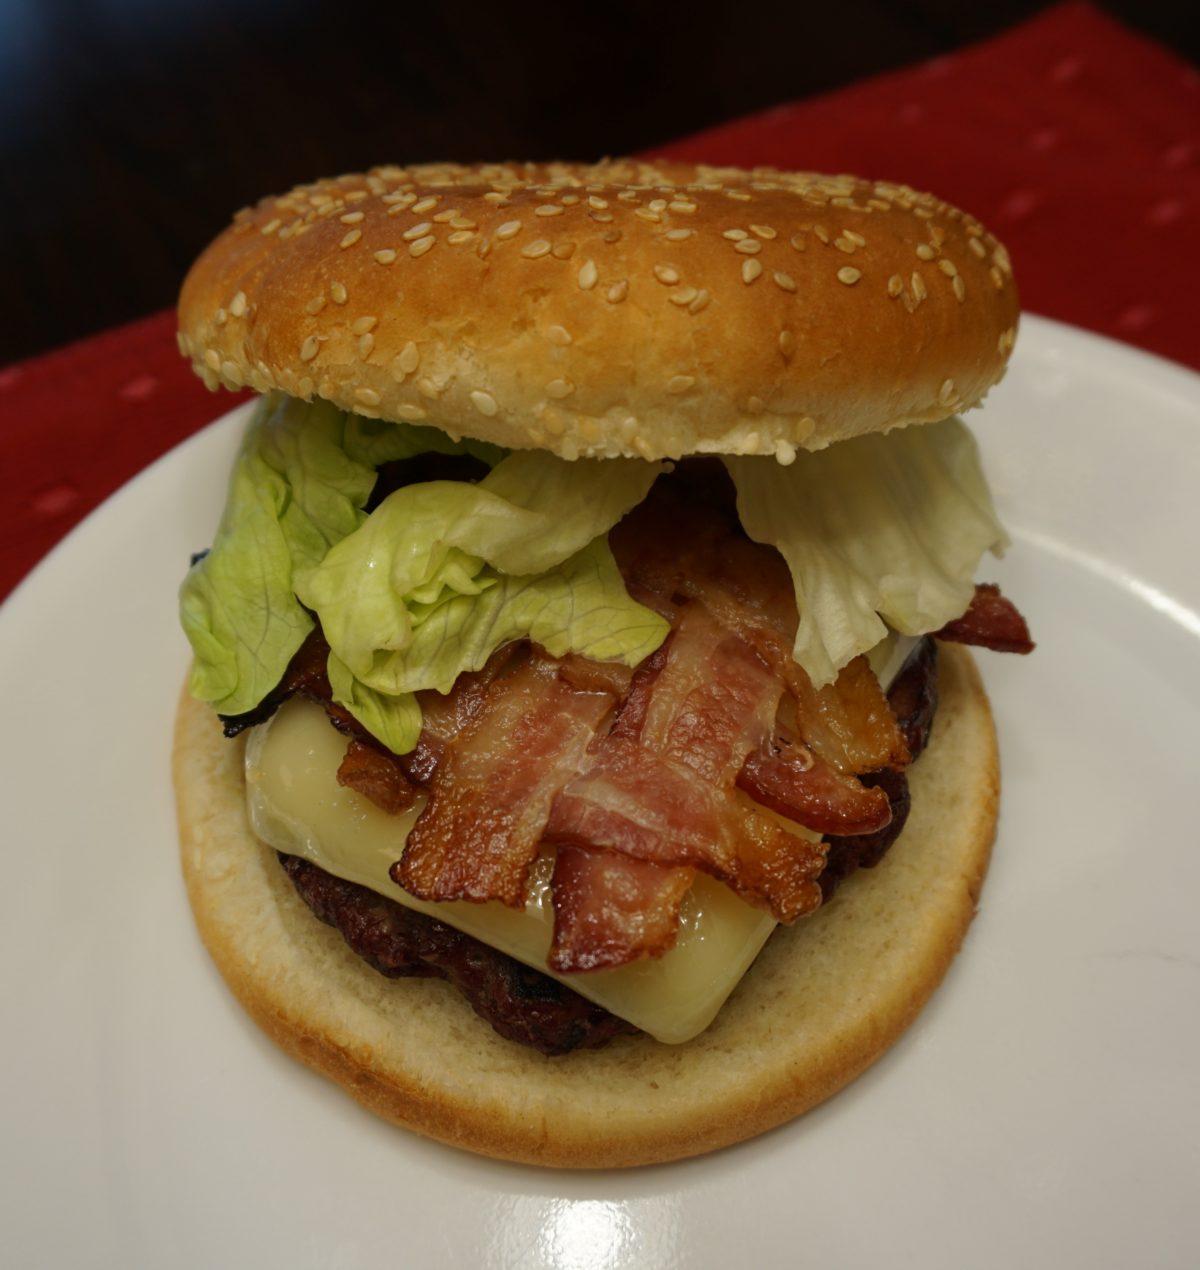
x: 824, y: 999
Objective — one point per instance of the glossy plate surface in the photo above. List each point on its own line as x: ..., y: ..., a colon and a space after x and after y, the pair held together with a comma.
x: 1042, y: 1112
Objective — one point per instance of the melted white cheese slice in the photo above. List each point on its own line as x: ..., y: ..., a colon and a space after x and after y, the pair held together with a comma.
x: 297, y: 806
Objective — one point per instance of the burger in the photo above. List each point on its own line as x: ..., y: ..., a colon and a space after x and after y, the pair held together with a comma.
x: 585, y: 622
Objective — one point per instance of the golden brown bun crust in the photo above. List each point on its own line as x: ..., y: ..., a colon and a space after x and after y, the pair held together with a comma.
x: 624, y: 308
x: 789, y: 1037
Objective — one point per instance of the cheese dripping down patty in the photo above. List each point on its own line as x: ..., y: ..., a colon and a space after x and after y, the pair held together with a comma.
x: 297, y: 806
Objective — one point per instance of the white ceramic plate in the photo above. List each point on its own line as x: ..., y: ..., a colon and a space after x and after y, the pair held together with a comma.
x: 1044, y: 1111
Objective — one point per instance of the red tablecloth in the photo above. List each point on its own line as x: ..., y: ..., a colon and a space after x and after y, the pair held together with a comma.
x: 1072, y: 138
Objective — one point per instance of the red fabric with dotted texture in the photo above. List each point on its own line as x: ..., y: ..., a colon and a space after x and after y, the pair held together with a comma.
x: 1075, y: 140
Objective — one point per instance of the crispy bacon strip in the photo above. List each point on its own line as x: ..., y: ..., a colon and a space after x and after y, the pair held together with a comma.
x: 444, y: 716
x: 793, y: 781
x: 658, y: 809
x: 491, y: 792
x: 660, y: 784
x: 376, y: 775
x: 606, y: 904
x: 992, y: 621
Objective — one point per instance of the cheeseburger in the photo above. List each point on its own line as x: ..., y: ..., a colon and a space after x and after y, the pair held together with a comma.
x: 584, y: 624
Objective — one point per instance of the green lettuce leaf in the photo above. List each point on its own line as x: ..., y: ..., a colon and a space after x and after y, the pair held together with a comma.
x: 444, y: 572
x: 301, y: 480
x: 887, y: 527
x: 579, y: 605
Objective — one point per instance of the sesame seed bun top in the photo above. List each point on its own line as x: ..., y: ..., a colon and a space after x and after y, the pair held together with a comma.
x: 621, y: 308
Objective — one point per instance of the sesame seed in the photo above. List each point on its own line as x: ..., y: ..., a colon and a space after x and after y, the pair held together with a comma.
x: 426, y: 204
x: 352, y: 218
x: 365, y: 344
x: 787, y: 344
x: 386, y: 256
x: 856, y: 238
x: 849, y: 275
x: 784, y: 280
x: 484, y: 402
x: 563, y: 251
x: 462, y: 222
x: 666, y: 274
x: 735, y: 235
x: 589, y: 275
x: 947, y: 267
x: 678, y: 235
x: 740, y: 195
x: 360, y: 326
x: 895, y: 285
x: 461, y: 236
x: 997, y: 278
x: 558, y: 335
x: 410, y: 414
x: 539, y: 247
x: 233, y: 372
x: 508, y: 229
x: 680, y: 206
x: 271, y: 226
x: 977, y: 247
x: 368, y: 396
x: 308, y: 350
x: 350, y: 239
x: 919, y: 290
x: 700, y: 302
x: 417, y: 231
x: 785, y: 453
x: 409, y: 358
x: 315, y: 305
x: 600, y: 204
x: 763, y: 231
x: 947, y: 392
x: 237, y: 306
x: 680, y: 383
x: 212, y: 358
x: 748, y: 246
x: 444, y: 218
x: 646, y: 214
x: 617, y: 292
x: 842, y: 243
x: 925, y: 251
x: 548, y: 209
x: 822, y: 233
x: 497, y: 197
x: 569, y: 200
x: 751, y: 269
x: 960, y: 287
x: 559, y: 388
x: 422, y: 245
x: 602, y: 217
x: 683, y: 296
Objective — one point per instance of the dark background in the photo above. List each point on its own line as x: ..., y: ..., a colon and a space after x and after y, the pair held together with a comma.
x: 132, y: 129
